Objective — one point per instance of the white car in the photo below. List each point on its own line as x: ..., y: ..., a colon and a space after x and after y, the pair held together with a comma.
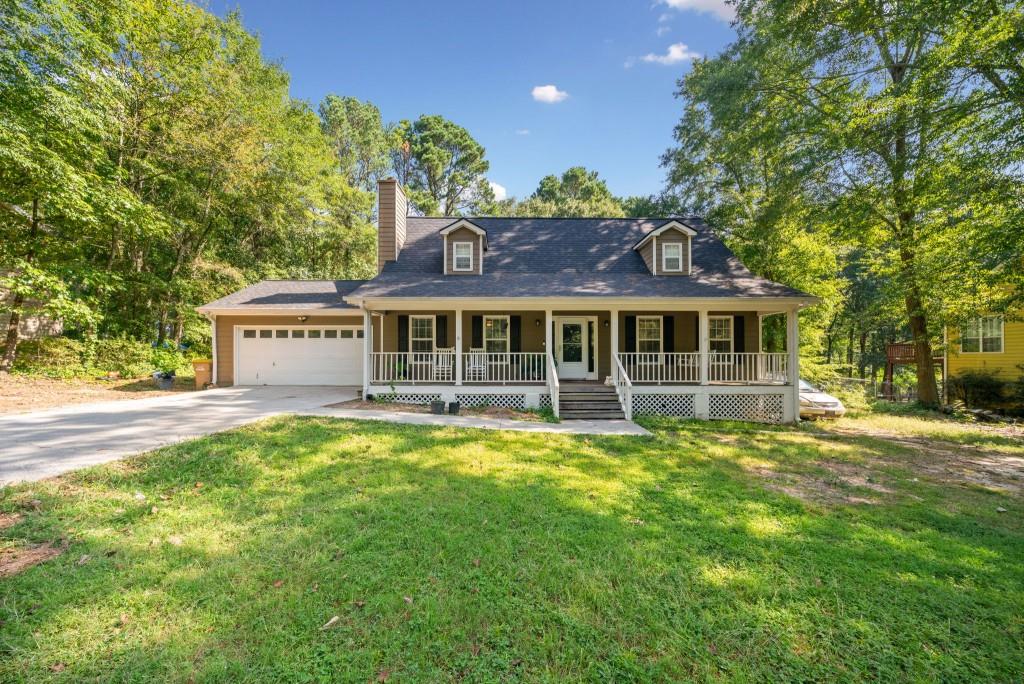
x: 817, y: 404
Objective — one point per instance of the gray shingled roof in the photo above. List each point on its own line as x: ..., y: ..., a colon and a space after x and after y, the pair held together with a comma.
x: 289, y: 294
x: 535, y: 257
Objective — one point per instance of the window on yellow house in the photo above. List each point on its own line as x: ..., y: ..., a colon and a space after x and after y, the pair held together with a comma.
x: 982, y: 335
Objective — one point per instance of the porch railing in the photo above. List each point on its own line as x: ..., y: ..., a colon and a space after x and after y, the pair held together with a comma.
x: 553, y: 387
x: 624, y: 388
x: 684, y: 367
x: 413, y: 367
x: 761, y: 368
x: 504, y: 368
x: 667, y: 368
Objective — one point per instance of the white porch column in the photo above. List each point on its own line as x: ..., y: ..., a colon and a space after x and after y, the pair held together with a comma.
x: 458, y: 346
x: 793, y: 362
x: 367, y: 350
x: 213, y: 349
x: 614, y: 343
x: 703, y: 345
x: 548, y: 344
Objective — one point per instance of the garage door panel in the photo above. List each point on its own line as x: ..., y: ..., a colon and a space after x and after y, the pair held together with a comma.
x: 287, y: 359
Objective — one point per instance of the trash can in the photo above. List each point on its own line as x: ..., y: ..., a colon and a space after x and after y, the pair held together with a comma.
x: 204, y: 372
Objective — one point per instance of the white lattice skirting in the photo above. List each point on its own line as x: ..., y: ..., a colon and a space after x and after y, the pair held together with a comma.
x: 758, y: 408
x: 404, y: 398
x: 512, y: 401
x: 680, y: 405
x: 545, y: 401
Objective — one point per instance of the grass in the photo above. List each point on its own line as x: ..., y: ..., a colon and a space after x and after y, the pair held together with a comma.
x: 497, y: 556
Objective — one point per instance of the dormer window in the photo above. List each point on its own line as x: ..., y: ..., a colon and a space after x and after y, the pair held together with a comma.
x: 463, y: 256
x: 672, y: 257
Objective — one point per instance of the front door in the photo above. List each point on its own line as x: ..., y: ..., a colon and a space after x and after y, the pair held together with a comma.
x: 573, y: 348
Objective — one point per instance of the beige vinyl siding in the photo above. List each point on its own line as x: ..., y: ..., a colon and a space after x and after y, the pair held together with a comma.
x: 392, y: 209
x: 226, y: 336
x: 464, y: 235
x: 647, y: 254
x: 673, y: 236
x: 1005, y: 364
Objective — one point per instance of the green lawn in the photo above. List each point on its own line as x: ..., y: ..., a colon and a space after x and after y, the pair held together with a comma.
x: 708, y: 552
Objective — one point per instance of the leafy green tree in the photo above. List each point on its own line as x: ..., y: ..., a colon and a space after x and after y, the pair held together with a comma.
x: 441, y: 166
x: 847, y: 124
x: 577, y: 192
x: 359, y: 138
x: 654, y: 206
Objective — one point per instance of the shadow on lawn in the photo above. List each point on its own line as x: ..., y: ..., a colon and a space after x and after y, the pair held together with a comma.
x: 485, y: 555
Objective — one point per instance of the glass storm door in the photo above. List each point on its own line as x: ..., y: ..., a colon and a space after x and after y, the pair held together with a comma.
x: 573, y: 349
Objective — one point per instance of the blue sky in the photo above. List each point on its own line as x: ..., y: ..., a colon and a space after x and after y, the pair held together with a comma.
x: 613, y: 65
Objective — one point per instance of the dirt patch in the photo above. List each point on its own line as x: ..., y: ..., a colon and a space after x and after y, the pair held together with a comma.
x: 9, y: 520
x: 361, y: 405
x: 841, y: 486
x: 495, y: 412
x: 952, y: 463
x: 20, y: 394
x: 17, y: 560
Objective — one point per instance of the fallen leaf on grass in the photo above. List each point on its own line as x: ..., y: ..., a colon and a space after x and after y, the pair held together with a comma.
x: 476, y: 562
x: 199, y: 485
x: 359, y: 604
x: 84, y: 559
x: 408, y: 599
x: 57, y: 667
x: 474, y: 649
x: 383, y: 675
x: 331, y: 623
x: 175, y: 540
x: 278, y: 584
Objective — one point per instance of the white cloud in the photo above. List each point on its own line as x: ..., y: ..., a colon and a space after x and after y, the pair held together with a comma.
x: 548, y: 94
x: 677, y: 52
x: 664, y: 18
x: 718, y: 8
x: 500, y: 192
x: 662, y: 30
x: 522, y: 131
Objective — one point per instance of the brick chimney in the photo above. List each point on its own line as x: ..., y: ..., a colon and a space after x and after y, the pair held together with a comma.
x: 391, y: 211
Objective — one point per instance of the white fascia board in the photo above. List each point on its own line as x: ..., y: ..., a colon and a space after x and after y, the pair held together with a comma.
x: 671, y: 225
x: 278, y: 311
x: 469, y: 225
x: 589, y: 303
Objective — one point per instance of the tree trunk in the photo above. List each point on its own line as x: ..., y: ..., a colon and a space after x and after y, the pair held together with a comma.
x: 927, y: 388
x: 863, y: 352
x: 13, y: 323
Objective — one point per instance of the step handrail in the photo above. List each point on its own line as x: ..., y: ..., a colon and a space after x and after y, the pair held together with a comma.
x: 552, y: 383
x: 623, y: 388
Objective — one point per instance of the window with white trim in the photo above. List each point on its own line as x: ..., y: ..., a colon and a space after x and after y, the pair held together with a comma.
x: 648, y: 334
x: 496, y: 334
x: 421, y: 333
x: 672, y: 257
x: 720, y: 334
x: 982, y: 335
x: 463, y: 256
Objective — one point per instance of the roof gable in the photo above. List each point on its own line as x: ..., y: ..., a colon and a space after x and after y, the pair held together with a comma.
x: 674, y: 224
x: 468, y: 225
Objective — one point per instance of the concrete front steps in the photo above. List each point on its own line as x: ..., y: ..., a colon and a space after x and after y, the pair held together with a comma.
x: 584, y: 401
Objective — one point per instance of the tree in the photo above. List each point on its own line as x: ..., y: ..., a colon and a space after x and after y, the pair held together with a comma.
x: 441, y: 166
x: 855, y: 125
x: 654, y: 206
x: 577, y: 192
x: 359, y: 139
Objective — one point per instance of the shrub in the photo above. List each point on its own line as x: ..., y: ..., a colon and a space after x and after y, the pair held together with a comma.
x: 167, y: 360
x: 978, y: 389
x: 54, y: 357
x: 129, y: 358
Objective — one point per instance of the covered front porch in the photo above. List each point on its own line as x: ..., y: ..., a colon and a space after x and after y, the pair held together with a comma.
x: 531, y: 347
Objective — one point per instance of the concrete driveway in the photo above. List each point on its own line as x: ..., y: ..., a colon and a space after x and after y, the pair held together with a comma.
x: 46, y: 443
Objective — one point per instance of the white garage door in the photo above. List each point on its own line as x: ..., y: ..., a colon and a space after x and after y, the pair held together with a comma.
x: 299, y: 355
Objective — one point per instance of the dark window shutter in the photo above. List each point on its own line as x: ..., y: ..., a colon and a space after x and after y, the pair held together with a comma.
x: 739, y: 335
x: 403, y: 333
x: 441, y: 331
x: 668, y: 334
x: 630, y: 333
x: 478, y: 332
x: 515, y: 334
x: 696, y: 333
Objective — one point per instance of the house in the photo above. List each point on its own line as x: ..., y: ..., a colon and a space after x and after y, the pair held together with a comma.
x: 594, y: 317
x: 986, y: 343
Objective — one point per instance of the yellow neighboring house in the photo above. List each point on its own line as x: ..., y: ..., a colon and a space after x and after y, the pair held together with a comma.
x: 987, y: 343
